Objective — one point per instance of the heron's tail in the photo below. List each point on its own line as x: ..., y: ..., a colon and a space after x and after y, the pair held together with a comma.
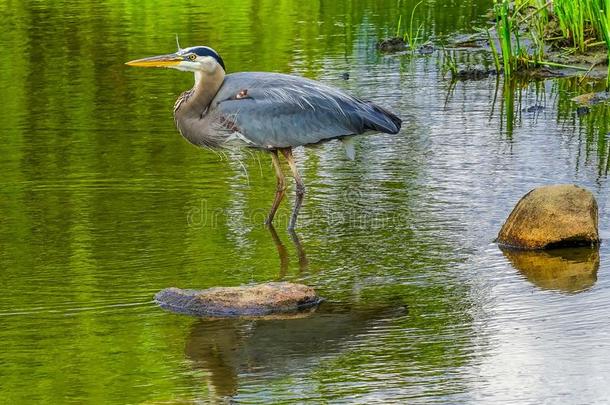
x: 383, y: 120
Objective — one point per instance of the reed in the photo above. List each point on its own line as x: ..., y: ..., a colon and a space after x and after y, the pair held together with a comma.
x: 412, y: 34
x: 411, y: 37
x: 504, y: 27
x: 572, y: 16
x: 602, y: 19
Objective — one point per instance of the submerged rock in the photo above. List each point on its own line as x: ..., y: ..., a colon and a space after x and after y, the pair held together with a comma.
x: 473, y: 73
x: 469, y: 41
x: 394, y: 44
x: 552, y: 216
x: 533, y: 108
x: 426, y: 49
x: 540, y: 72
x: 568, y: 270
x: 250, y: 301
x: 591, y: 98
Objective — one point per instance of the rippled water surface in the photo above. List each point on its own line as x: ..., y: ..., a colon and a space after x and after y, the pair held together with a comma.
x: 102, y: 204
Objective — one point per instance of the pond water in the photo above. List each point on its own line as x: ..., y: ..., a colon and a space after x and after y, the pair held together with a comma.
x: 102, y: 204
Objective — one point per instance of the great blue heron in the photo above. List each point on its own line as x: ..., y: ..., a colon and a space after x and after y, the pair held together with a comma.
x: 269, y: 111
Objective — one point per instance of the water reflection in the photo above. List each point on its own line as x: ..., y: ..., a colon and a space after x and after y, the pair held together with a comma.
x: 526, y: 101
x: 521, y: 101
x: 568, y: 270
x: 227, y: 348
x: 283, y: 252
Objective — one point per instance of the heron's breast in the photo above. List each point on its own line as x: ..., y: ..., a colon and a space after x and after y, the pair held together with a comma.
x: 212, y: 130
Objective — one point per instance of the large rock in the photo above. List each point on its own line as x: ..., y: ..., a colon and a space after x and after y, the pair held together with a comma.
x: 255, y: 300
x: 550, y: 217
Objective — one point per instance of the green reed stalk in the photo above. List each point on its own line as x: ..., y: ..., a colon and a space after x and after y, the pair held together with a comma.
x: 601, y: 18
x: 398, y: 28
x: 504, y: 32
x: 571, y: 15
x: 494, y: 52
x: 409, y: 36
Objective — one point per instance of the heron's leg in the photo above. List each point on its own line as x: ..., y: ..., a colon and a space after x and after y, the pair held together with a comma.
x: 280, y: 189
x: 300, y: 192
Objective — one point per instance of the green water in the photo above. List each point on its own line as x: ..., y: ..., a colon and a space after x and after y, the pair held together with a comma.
x: 102, y: 204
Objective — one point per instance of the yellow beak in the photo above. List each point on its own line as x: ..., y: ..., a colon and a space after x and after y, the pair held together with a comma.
x: 157, y: 61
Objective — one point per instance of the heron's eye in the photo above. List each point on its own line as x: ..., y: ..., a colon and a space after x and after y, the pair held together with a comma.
x: 192, y: 56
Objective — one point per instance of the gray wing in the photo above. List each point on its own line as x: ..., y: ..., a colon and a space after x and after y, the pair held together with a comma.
x: 273, y: 110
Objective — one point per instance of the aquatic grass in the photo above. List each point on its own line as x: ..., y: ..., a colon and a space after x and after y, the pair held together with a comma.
x: 575, y: 26
x: 449, y: 63
x: 537, y: 20
x: 602, y: 18
x: 504, y: 28
x: 398, y: 26
x: 494, y: 52
x: 571, y: 17
x: 412, y: 36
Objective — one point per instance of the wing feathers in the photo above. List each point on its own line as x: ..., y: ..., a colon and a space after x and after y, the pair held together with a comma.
x: 283, y: 110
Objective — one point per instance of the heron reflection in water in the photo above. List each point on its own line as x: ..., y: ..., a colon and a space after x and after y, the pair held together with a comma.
x: 268, y: 111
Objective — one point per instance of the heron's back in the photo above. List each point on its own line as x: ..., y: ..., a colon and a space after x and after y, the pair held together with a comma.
x: 272, y: 110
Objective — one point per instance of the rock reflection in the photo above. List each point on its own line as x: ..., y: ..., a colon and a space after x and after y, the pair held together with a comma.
x: 226, y: 348
x: 568, y: 270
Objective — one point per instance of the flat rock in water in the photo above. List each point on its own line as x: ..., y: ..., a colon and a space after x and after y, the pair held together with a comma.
x: 552, y: 216
x: 255, y: 300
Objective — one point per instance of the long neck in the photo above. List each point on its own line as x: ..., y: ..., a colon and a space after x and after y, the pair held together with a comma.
x: 202, y: 94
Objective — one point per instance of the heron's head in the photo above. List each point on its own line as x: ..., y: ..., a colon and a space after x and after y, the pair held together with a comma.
x: 197, y: 59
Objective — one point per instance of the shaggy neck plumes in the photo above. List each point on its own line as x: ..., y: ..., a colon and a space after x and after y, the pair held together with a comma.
x: 203, y: 92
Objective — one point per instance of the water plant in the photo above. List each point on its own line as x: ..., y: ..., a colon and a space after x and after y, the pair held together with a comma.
x: 504, y: 29
x: 602, y: 17
x: 412, y: 35
x: 449, y: 63
x: 573, y: 26
x: 494, y: 51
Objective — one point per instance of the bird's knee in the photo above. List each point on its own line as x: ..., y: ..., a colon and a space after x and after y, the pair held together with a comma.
x: 300, y: 190
x: 281, y: 187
